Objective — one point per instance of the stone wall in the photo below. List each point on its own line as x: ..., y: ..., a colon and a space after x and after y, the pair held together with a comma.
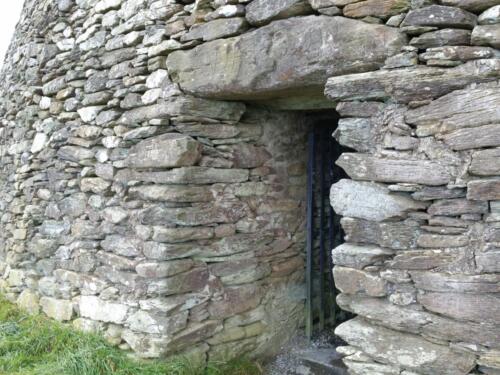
x: 140, y: 199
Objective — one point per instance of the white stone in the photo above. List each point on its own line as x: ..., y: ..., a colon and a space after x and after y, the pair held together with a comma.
x: 45, y: 103
x: 490, y: 16
x: 105, y: 5
x: 370, y: 201
x: 39, y: 142
x: 89, y: 114
x: 96, y: 309
x: 156, y: 79
x: 111, y: 141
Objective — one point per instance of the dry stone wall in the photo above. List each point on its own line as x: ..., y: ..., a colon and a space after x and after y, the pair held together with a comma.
x: 142, y: 198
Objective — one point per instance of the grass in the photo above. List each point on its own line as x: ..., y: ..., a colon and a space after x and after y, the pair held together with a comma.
x: 35, y: 345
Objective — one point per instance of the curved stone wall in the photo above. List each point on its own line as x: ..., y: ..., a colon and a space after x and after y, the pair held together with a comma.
x: 138, y: 198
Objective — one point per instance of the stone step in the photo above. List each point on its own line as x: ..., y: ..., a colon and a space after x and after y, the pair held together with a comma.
x: 301, y: 357
x: 322, y: 361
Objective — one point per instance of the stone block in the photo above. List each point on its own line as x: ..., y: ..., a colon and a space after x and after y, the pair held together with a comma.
x: 29, y: 301
x: 165, y: 151
x: 239, y: 75
x: 359, y: 256
x: 461, y: 306
x: 366, y: 167
x: 61, y: 310
x: 456, y: 207
x: 406, y: 350
x: 216, y: 29
x: 440, y: 16
x: 260, y: 12
x: 483, y: 190
x: 105, y: 311
x: 486, y: 35
x: 353, y: 281
x: 376, y: 8
x: 411, y: 84
x: 370, y: 201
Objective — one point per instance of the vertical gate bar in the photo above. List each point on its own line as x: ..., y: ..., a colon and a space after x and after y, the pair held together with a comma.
x: 310, y: 235
x: 322, y: 230
x: 331, y: 230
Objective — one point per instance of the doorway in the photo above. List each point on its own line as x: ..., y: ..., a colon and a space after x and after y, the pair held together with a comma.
x: 323, y: 229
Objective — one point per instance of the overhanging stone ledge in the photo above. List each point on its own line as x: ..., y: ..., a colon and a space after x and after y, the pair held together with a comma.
x: 257, y: 65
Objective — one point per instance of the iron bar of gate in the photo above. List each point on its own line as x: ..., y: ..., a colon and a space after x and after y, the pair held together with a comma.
x: 331, y: 232
x: 322, y: 307
x: 310, y: 235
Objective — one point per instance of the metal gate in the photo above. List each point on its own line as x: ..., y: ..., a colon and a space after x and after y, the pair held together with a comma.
x: 323, y: 227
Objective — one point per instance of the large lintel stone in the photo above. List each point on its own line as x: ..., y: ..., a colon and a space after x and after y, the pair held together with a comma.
x: 256, y: 65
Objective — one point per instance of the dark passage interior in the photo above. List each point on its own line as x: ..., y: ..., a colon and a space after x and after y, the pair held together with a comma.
x: 324, y: 231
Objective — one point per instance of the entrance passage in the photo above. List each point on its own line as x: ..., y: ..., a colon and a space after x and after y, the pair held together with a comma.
x: 323, y: 225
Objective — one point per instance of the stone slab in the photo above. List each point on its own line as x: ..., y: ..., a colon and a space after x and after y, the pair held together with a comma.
x: 370, y: 201
x: 254, y: 66
x: 366, y: 167
x: 411, y: 84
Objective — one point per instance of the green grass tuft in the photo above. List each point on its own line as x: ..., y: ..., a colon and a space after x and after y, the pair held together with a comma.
x: 35, y: 345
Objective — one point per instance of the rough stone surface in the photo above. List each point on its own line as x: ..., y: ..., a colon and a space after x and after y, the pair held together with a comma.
x: 175, y: 223
x: 370, y: 201
x: 240, y: 76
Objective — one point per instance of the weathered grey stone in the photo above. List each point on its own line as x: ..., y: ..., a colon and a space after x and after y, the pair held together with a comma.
x: 490, y: 16
x: 236, y: 300
x: 474, y: 307
x: 407, y: 319
x: 120, y: 245
x: 411, y: 84
x: 353, y: 281
x: 432, y: 193
x: 376, y: 8
x: 370, y: 168
x: 457, y: 53
x: 455, y: 207
x: 424, y: 259
x: 194, y: 280
x: 165, y: 151
x: 459, y: 109
x: 441, y: 282
x: 489, y: 261
x: 172, y: 193
x: 260, y: 12
x: 403, y: 349
x: 74, y: 153
x: 435, y: 241
x: 273, y: 76
x: 227, y: 212
x: 166, y: 269
x: 95, y: 185
x: 470, y: 5
x: 240, y: 272
x: 147, y: 322
x: 216, y: 29
x: 29, y: 301
x: 444, y: 37
x: 486, y: 162
x: 483, y: 190
x: 356, y: 256
x: 186, y: 175
x: 178, y: 235
x: 184, y: 106
x: 358, y: 109
x: 440, y: 16
x: 393, y: 235
x: 57, y: 309
x: 96, y: 309
x: 356, y: 133
x: 469, y: 138
x: 486, y: 35
x: 370, y: 201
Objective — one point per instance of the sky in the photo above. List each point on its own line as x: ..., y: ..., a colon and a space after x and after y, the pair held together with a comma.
x: 10, y: 11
